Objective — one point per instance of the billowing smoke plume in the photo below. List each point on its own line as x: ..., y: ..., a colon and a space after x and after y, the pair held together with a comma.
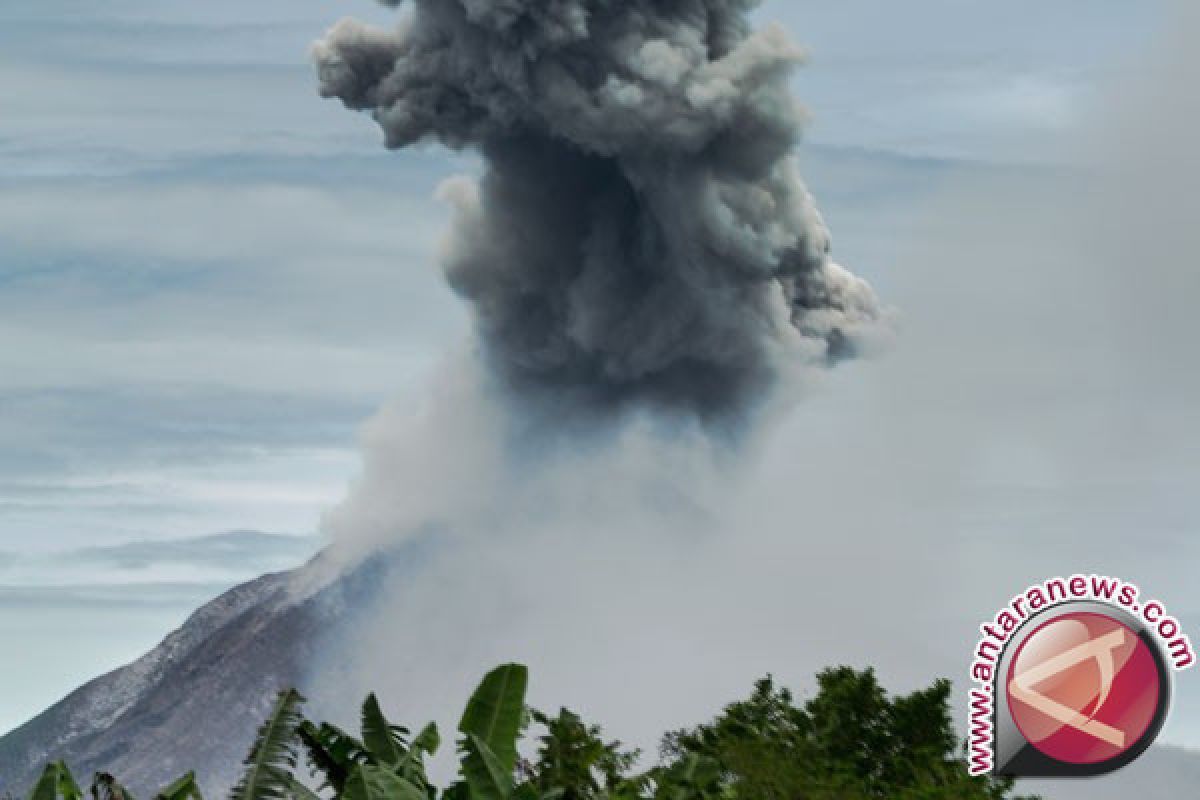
x: 640, y: 231
x: 643, y: 587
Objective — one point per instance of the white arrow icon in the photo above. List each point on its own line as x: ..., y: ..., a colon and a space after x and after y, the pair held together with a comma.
x: 1021, y: 686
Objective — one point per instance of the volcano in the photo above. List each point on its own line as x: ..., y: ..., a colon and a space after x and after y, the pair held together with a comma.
x: 195, y: 701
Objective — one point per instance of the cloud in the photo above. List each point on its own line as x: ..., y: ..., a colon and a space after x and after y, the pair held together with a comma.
x: 104, y: 464
x: 964, y: 80
x: 118, y: 573
x: 178, y: 596
x: 230, y: 286
x: 193, y: 422
x: 251, y: 551
x: 136, y: 86
x: 105, y: 499
x: 153, y: 328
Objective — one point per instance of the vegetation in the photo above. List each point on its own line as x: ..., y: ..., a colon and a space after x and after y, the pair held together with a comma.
x: 57, y: 783
x: 851, y: 741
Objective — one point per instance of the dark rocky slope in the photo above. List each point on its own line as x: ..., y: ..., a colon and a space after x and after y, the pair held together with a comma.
x: 195, y: 701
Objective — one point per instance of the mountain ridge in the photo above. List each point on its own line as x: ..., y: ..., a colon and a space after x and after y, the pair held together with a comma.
x: 202, y: 691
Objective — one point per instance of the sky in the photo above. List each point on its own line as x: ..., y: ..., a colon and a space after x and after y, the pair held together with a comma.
x: 210, y: 278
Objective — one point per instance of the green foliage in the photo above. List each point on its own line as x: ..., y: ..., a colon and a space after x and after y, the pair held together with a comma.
x: 299, y: 791
x: 369, y: 782
x: 332, y: 753
x: 385, y: 742
x: 850, y: 741
x: 56, y: 782
x: 272, y: 758
x: 691, y: 777
x: 185, y: 788
x: 485, y: 773
x: 363, y: 768
x: 574, y: 760
x: 490, y: 727
x: 755, y: 742
x: 495, y: 714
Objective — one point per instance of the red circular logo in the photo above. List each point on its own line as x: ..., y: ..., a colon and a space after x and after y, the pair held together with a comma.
x: 1083, y: 688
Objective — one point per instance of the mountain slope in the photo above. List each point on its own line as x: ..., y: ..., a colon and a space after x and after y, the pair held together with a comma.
x: 194, y: 701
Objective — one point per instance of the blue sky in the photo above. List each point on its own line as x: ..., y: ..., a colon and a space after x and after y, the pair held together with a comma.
x: 209, y: 277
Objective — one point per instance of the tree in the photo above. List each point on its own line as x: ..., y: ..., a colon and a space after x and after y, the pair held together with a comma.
x: 851, y: 741
x: 574, y: 760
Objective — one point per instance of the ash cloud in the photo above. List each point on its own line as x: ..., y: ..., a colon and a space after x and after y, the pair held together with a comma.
x: 640, y: 232
x: 1014, y: 423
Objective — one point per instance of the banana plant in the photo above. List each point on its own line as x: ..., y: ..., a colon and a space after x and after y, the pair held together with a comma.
x: 490, y: 726
x: 387, y: 763
x: 332, y: 753
x: 388, y: 746
x: 56, y: 782
x: 371, y: 767
x: 271, y: 764
x: 492, y: 723
x: 185, y: 788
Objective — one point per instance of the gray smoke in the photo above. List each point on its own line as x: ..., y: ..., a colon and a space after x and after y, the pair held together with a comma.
x: 640, y: 231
